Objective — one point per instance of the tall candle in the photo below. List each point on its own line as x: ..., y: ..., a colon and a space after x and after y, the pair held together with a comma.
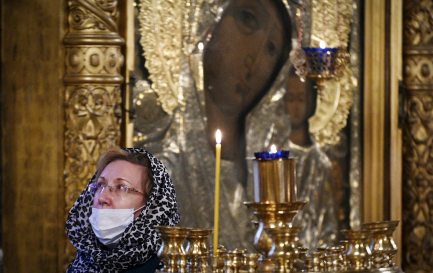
x: 218, y: 137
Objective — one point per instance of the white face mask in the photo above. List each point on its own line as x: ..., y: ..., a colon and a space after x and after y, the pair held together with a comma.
x: 109, y: 224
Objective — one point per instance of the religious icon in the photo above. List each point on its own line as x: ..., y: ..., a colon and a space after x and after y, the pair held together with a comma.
x: 224, y: 65
x: 247, y: 49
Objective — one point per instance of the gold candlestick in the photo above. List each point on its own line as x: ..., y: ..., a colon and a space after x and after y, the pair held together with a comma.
x: 274, y: 180
x: 172, y: 252
x: 381, y: 243
x: 358, y: 252
x: 334, y: 259
x: 198, y: 250
x: 271, y: 216
x: 286, y: 247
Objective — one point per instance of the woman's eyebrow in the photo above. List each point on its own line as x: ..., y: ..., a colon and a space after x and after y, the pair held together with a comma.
x: 125, y: 180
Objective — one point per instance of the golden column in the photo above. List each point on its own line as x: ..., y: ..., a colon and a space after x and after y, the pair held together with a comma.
x: 418, y: 137
x: 93, y: 60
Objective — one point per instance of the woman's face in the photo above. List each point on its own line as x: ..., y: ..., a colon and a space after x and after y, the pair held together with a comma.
x: 242, y: 55
x: 115, y: 175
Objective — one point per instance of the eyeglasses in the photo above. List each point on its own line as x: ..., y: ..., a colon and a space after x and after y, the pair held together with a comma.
x: 119, y: 190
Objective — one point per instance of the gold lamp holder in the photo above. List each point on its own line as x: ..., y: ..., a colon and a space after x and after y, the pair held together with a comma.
x: 324, y: 63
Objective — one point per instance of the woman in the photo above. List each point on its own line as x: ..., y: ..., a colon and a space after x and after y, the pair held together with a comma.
x: 112, y: 224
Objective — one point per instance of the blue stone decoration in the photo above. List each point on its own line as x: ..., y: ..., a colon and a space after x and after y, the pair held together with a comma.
x: 266, y: 155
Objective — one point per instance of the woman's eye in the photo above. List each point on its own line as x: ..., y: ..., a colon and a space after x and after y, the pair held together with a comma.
x: 247, y: 21
x: 123, y: 188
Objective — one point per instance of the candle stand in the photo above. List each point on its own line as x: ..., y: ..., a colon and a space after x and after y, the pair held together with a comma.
x: 370, y: 249
x: 381, y: 243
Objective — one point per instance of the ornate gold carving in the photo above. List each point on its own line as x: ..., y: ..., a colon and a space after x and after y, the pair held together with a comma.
x: 99, y: 15
x: 91, y: 127
x: 418, y: 137
x: 161, y: 38
x: 418, y: 185
x: 93, y: 61
x: 418, y: 22
x: 418, y: 69
x: 331, y: 22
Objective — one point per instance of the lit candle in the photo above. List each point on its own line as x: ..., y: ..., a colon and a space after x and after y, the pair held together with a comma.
x: 218, y: 137
x: 273, y: 149
x: 322, y: 44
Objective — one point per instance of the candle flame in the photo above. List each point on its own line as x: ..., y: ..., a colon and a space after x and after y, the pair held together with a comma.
x: 218, y: 136
x: 273, y: 148
x: 322, y: 44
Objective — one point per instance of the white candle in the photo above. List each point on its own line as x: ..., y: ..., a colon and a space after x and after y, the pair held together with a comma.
x: 218, y: 137
x: 322, y: 44
x: 273, y: 149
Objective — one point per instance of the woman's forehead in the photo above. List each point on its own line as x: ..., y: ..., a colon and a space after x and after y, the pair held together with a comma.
x: 124, y: 170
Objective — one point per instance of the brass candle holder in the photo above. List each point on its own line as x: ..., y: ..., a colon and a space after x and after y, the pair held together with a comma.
x: 270, y: 216
x: 235, y: 261
x: 358, y: 253
x: 315, y: 261
x: 287, y: 250
x: 198, y: 250
x: 172, y: 252
x: 334, y: 259
x: 274, y: 208
x: 274, y: 180
x: 251, y: 262
x: 381, y: 243
x: 218, y: 261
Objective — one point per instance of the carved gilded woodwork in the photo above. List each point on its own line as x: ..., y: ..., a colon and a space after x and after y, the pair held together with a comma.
x: 93, y: 61
x: 418, y: 140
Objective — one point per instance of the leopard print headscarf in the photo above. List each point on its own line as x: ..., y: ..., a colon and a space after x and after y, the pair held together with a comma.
x: 140, y: 240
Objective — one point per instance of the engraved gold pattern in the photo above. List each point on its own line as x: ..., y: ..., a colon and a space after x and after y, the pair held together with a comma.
x: 418, y: 22
x: 93, y: 60
x: 418, y: 131
x: 331, y: 22
x: 161, y: 38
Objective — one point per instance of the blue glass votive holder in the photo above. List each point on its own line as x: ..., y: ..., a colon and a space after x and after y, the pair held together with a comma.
x: 321, y: 62
x: 266, y: 155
